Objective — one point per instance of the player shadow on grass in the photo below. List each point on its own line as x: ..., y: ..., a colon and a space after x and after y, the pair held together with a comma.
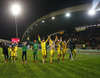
x: 27, y: 68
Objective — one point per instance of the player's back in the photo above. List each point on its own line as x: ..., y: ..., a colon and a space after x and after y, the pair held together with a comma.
x: 64, y: 45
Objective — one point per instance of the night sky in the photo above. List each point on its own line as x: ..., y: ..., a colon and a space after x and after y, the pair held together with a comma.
x: 31, y: 10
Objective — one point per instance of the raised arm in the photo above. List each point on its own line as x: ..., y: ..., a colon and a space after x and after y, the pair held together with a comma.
x: 67, y: 42
x: 60, y: 39
x: 47, y: 39
x: 62, y: 43
x: 50, y: 41
x: 56, y: 38
x: 39, y: 39
x: 30, y: 42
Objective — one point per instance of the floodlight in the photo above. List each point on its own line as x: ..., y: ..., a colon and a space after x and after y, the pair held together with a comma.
x: 92, y: 12
x: 68, y: 15
x: 43, y: 21
x: 53, y: 17
x: 15, y: 9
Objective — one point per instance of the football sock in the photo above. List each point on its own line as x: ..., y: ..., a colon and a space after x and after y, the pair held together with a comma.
x: 22, y: 57
x: 12, y: 58
x: 58, y: 57
x: 42, y: 58
x: 75, y: 55
x: 36, y: 58
x: 63, y: 56
x: 51, y: 58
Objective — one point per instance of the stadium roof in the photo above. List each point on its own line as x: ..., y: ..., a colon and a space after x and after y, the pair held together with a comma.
x: 3, y: 40
x: 47, y: 25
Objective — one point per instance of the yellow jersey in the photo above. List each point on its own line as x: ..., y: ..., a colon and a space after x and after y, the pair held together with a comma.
x: 43, y: 44
x: 16, y: 47
x: 9, y: 48
x: 57, y: 45
x: 64, y: 45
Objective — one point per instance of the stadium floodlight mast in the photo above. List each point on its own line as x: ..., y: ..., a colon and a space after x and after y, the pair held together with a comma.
x: 16, y: 10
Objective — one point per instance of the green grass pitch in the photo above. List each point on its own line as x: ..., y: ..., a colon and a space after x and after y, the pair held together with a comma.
x: 85, y: 66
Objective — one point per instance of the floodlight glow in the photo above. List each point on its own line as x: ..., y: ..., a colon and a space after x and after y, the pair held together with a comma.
x: 27, y: 31
x: 68, y: 14
x: 84, y: 26
x: 87, y: 26
x: 15, y: 9
x: 43, y: 21
x: 53, y: 17
x: 92, y: 12
x: 98, y: 25
x: 95, y: 3
x: 91, y: 26
x: 98, y: 9
x: 36, y: 24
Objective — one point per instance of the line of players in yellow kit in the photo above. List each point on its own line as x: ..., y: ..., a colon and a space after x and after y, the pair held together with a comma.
x: 54, y: 44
